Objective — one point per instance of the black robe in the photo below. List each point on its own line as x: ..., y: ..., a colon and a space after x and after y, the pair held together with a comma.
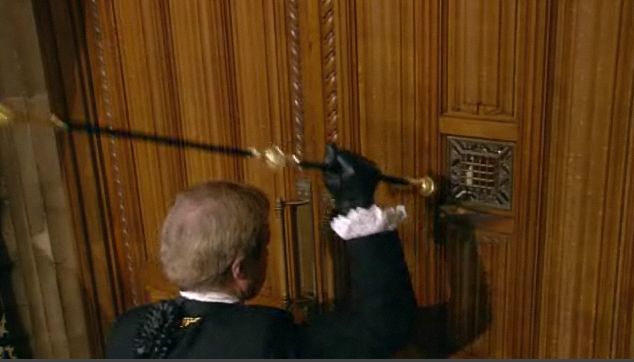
x: 377, y: 323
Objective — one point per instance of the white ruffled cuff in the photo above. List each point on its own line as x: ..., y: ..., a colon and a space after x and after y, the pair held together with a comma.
x: 363, y: 222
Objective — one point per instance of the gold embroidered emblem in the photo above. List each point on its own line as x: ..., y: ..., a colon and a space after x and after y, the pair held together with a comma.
x: 188, y: 321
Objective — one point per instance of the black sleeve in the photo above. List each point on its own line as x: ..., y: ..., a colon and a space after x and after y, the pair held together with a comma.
x: 380, y: 317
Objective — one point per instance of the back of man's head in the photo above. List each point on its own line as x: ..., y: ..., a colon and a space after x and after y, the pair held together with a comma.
x: 208, y: 226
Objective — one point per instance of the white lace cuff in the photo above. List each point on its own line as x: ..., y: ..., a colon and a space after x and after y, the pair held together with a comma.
x: 363, y: 222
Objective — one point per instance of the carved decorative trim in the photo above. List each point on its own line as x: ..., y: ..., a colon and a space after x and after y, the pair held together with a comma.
x: 480, y: 171
x: 297, y: 100
x: 329, y: 68
x: 329, y: 254
x: 106, y: 101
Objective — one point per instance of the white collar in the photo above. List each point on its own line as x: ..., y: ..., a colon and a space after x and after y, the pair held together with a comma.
x: 216, y: 297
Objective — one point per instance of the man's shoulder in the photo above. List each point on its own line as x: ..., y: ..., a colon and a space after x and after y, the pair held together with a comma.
x: 123, y: 331
x: 131, y: 317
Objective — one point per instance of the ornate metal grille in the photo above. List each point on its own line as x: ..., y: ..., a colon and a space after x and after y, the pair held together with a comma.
x: 481, y: 172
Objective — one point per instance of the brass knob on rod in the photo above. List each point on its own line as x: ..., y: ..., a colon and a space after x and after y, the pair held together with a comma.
x: 6, y: 115
x: 276, y: 159
x: 425, y: 185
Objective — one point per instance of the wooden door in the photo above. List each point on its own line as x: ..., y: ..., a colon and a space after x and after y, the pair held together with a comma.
x: 205, y: 71
x: 213, y: 71
x: 453, y: 89
x: 404, y: 82
x: 456, y: 89
x: 227, y: 72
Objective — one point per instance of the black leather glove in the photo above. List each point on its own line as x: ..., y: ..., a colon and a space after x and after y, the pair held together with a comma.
x: 350, y: 178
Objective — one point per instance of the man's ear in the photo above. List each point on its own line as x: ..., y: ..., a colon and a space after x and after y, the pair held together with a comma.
x: 238, y: 268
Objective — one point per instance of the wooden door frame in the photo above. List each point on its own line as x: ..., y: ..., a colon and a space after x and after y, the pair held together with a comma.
x: 63, y: 41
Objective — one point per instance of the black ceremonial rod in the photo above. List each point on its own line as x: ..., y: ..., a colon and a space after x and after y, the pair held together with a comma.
x: 273, y: 156
x: 163, y: 140
x: 386, y: 178
x: 178, y: 142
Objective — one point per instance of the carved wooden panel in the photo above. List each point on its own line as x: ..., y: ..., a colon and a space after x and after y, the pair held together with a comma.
x: 480, y: 49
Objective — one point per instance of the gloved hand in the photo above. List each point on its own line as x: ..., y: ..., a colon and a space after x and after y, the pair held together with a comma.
x: 350, y: 178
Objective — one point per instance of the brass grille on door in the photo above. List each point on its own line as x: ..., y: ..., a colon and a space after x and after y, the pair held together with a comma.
x: 480, y: 172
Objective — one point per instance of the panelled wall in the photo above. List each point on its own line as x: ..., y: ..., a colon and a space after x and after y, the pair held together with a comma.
x: 586, y: 301
x: 520, y: 110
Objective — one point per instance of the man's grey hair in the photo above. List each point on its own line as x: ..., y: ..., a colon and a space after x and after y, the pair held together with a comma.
x: 209, y: 226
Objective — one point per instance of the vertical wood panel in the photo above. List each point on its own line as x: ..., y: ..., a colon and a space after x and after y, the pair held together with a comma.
x: 585, y: 203
x: 622, y: 330
x: 255, y: 43
x: 621, y: 323
x: 623, y: 320
x: 63, y: 41
x: 118, y: 182
x: 481, y: 43
x: 494, y: 70
x: 386, y: 90
x: 202, y: 82
x: 429, y: 261
x: 531, y: 100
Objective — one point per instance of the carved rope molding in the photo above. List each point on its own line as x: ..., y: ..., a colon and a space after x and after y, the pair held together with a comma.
x: 329, y: 67
x: 116, y: 170
x: 331, y: 112
x: 297, y: 101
